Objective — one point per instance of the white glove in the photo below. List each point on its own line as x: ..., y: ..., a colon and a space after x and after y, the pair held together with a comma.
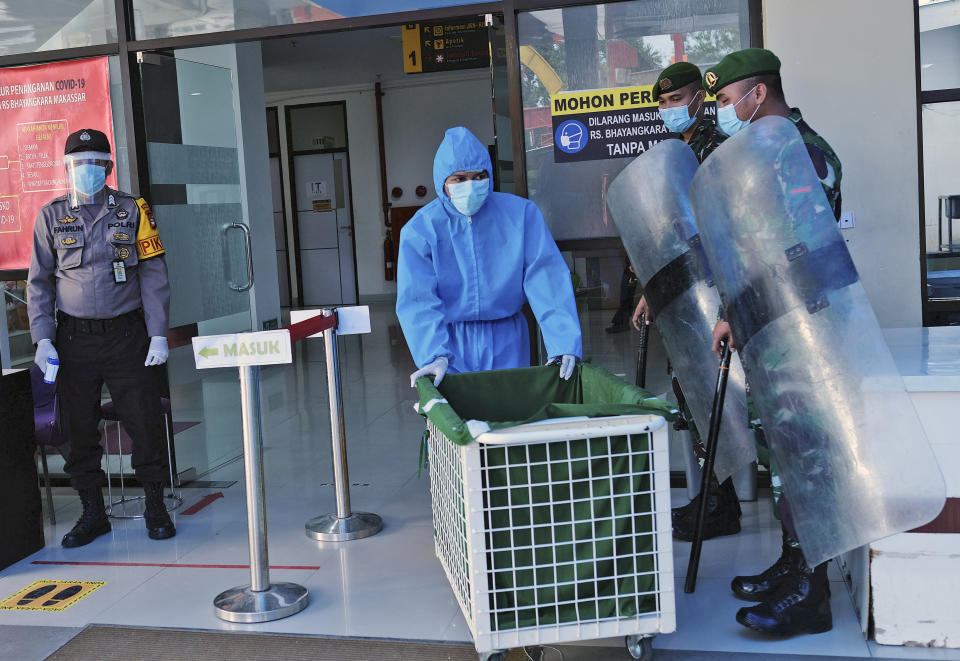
x: 566, y: 363
x: 438, y: 368
x: 158, y: 352
x: 44, y: 350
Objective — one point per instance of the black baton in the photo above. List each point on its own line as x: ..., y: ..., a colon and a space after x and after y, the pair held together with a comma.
x: 715, y: 416
x: 642, y: 352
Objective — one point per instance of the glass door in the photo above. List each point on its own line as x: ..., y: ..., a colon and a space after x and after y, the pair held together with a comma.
x: 195, y: 192
x: 500, y: 93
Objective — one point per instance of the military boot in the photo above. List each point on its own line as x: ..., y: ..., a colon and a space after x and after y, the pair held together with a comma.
x: 93, y: 521
x: 800, y: 605
x: 159, y: 525
x: 723, y: 513
x: 762, y: 586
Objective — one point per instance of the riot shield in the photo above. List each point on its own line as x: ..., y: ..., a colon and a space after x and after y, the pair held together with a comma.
x: 649, y: 204
x: 854, y: 460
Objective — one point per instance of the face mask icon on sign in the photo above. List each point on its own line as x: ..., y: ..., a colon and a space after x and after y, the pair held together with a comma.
x: 571, y: 136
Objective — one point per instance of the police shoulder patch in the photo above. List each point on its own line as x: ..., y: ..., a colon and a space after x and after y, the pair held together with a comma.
x: 67, y: 219
x: 147, y: 211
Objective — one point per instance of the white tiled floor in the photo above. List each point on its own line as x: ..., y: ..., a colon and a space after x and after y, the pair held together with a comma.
x: 390, y: 585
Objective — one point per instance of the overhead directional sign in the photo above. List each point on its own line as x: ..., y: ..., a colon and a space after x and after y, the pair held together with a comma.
x: 263, y: 348
x: 445, y: 46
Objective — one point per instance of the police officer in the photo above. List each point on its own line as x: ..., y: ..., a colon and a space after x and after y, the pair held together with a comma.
x: 794, y: 598
x: 98, y: 262
x: 683, y: 111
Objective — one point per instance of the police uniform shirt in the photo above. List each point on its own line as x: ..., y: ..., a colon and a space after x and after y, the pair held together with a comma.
x: 72, y: 267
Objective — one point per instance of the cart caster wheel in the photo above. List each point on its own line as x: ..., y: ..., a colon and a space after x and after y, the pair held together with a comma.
x: 491, y: 656
x: 640, y: 647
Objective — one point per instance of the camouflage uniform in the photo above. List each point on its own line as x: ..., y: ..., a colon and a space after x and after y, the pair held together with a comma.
x: 707, y: 137
x: 829, y: 170
x: 824, y: 159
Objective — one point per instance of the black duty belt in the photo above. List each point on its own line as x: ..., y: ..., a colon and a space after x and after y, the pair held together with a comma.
x: 805, y: 281
x: 98, y: 326
x: 677, y: 277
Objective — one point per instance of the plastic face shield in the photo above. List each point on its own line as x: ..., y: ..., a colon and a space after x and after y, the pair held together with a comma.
x: 86, y: 175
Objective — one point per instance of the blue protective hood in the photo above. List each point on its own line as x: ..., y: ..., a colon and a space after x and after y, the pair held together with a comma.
x: 460, y: 150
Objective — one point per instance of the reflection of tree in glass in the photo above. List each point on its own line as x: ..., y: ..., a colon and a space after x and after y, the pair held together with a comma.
x: 534, y: 93
x: 707, y: 47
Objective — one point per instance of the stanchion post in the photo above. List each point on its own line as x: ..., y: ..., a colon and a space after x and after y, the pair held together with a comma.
x: 344, y: 524
x: 261, y: 601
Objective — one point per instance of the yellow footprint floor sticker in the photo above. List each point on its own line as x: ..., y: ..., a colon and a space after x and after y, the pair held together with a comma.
x: 50, y: 595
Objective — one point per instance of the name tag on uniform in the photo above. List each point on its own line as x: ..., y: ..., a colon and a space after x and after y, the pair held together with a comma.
x: 119, y: 271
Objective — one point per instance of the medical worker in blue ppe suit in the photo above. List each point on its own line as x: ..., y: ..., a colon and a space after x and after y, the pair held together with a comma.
x: 468, y: 262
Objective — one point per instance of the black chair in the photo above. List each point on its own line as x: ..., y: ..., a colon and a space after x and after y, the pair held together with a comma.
x: 123, y: 446
x: 46, y: 429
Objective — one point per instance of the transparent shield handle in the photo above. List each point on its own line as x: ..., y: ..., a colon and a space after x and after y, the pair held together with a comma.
x: 248, y: 254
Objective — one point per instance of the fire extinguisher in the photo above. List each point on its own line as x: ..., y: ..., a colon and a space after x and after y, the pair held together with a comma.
x: 388, y: 265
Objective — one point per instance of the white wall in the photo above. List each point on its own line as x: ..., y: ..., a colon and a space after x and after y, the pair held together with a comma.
x: 416, y: 111
x: 415, y: 117
x: 869, y: 117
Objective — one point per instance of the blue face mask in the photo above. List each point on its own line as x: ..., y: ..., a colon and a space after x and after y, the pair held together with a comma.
x: 727, y: 118
x: 468, y: 196
x: 88, y: 179
x: 679, y: 119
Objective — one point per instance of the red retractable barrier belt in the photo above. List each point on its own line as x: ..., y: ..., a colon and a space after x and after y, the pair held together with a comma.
x: 311, y: 326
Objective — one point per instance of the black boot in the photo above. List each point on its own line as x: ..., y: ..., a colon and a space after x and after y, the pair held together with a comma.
x: 801, y: 605
x: 159, y: 525
x: 762, y: 586
x: 723, y: 513
x: 92, y: 523
x: 689, y: 511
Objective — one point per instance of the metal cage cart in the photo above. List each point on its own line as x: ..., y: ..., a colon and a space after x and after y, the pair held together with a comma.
x: 556, y: 530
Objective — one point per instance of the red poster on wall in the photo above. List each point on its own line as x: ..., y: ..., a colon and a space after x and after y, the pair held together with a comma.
x: 39, y: 107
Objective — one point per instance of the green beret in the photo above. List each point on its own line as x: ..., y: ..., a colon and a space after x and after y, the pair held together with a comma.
x: 741, y: 64
x: 674, y: 77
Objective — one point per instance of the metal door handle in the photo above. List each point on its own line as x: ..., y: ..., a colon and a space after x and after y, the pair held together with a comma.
x: 248, y: 249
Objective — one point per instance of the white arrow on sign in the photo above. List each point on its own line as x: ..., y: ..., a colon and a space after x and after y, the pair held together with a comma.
x: 263, y: 348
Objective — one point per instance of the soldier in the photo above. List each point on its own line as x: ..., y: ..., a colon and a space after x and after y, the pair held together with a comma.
x: 794, y: 598
x: 98, y: 261
x: 683, y: 111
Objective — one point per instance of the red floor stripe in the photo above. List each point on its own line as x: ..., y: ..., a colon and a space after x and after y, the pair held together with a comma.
x: 75, y: 563
x: 200, y: 504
